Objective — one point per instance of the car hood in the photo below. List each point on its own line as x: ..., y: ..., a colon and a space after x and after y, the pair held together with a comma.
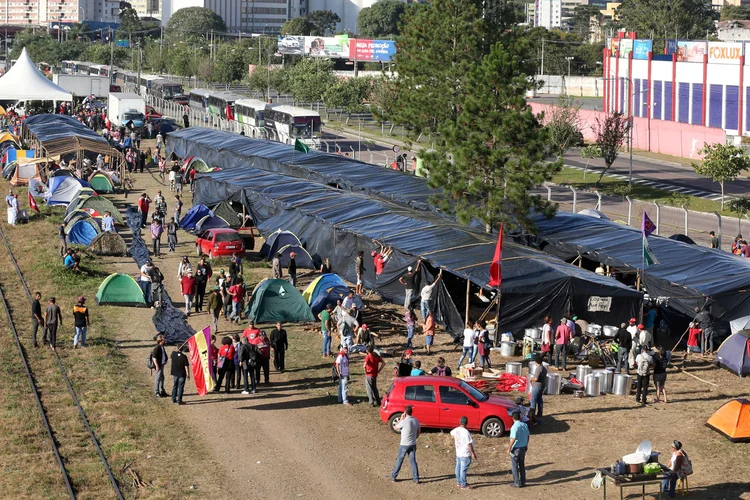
x: 501, y: 401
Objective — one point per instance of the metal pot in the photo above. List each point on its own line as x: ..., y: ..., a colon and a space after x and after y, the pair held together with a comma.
x: 513, y: 367
x: 508, y: 349
x: 622, y: 384
x: 534, y: 333
x: 592, y: 385
x: 594, y: 329
x: 581, y: 372
x: 553, y: 384
x: 635, y: 468
x: 610, y: 331
x: 606, y: 377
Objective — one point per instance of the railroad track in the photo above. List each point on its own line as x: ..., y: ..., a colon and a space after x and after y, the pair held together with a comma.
x: 60, y: 459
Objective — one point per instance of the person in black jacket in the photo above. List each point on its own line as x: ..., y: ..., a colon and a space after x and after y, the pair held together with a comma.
x: 279, y: 344
x: 159, y: 358
x: 248, y: 355
x: 292, y: 268
x: 180, y: 372
x: 625, y: 342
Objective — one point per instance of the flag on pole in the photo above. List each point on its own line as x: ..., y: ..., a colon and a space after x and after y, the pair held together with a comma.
x: 496, y: 267
x: 647, y: 227
x: 200, y: 361
x: 32, y: 203
x: 301, y: 146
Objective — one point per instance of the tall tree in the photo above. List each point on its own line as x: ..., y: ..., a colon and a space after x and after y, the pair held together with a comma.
x: 610, y: 136
x: 323, y: 22
x: 581, y: 21
x: 670, y: 18
x: 735, y: 12
x: 194, y: 22
x: 310, y: 78
x: 297, y: 26
x: 564, y: 125
x: 130, y: 25
x: 230, y: 66
x: 722, y: 163
x: 382, y: 19
x: 493, y: 151
x: 349, y: 95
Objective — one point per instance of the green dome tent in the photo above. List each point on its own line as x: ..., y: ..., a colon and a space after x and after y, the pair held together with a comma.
x: 120, y: 290
x: 101, y: 183
x: 277, y: 300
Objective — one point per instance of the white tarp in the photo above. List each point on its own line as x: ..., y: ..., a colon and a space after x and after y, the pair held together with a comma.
x: 23, y: 82
x: 738, y: 324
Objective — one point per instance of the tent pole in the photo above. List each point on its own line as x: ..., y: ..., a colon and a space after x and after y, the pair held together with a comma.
x: 497, y: 318
x: 468, y: 290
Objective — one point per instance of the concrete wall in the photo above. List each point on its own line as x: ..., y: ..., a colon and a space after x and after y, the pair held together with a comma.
x: 671, y: 138
x: 577, y: 86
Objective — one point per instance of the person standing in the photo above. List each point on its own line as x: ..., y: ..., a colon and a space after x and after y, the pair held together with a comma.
x: 237, y: 292
x: 410, y: 431
x: 538, y: 384
x: 411, y: 322
x: 562, y: 338
x: 547, y: 339
x: 279, y: 344
x: 660, y: 375
x: 326, y: 327
x: 172, y: 234
x: 13, y: 210
x: 201, y: 280
x: 291, y: 269
x: 159, y: 359
x: 275, y: 267
x: 373, y: 365
x: 52, y: 321
x: 144, y: 202
x: 215, y: 304
x: 264, y: 348
x: 342, y: 370
x: 428, y: 328
x: 177, y: 209
x: 519, y: 443
x: 410, y: 285
x: 61, y: 237
x: 248, y: 359
x: 156, y: 232
x: 470, y: 336
x: 108, y: 223
x: 706, y: 322
x: 359, y: 268
x: 187, y: 283
x: 36, y: 316
x: 81, y: 322
x: 464, y: 452
x: 624, y: 343
x: 714, y: 243
x: 643, y: 363
x: 225, y: 364
x: 427, y: 296
x: 180, y: 373
x: 483, y: 342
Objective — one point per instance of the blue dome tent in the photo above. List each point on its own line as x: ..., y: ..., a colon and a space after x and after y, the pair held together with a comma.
x: 277, y: 240
x: 82, y: 232
x: 194, y: 215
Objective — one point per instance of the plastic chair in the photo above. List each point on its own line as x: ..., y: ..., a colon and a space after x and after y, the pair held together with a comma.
x: 682, y: 486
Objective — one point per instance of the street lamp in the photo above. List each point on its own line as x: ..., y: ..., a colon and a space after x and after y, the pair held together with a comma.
x: 569, y: 59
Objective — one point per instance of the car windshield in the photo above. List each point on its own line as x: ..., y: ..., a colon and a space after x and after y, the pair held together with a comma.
x: 228, y: 237
x: 473, y: 392
x: 132, y: 116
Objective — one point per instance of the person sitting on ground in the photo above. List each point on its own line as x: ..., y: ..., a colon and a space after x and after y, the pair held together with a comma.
x: 365, y: 336
x: 405, y: 364
x: 70, y: 262
x: 417, y: 370
x: 694, y: 339
x: 441, y: 370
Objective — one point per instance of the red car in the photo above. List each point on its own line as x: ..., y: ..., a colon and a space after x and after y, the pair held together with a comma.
x: 219, y: 243
x: 152, y: 113
x: 439, y: 402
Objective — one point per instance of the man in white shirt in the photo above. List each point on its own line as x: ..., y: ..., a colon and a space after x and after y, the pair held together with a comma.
x: 145, y: 281
x: 427, y: 295
x: 410, y: 430
x: 469, y: 336
x: 342, y: 369
x: 464, y: 452
x: 634, y: 350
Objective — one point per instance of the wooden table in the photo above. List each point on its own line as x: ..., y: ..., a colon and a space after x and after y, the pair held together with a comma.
x: 629, y: 481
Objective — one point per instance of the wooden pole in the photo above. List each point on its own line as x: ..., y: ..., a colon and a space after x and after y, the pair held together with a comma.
x: 468, y: 291
x: 497, y: 318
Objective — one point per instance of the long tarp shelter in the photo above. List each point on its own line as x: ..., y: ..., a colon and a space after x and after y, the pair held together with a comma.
x: 227, y: 150
x: 58, y: 135
x: 337, y: 224
x: 24, y: 82
x: 687, y: 276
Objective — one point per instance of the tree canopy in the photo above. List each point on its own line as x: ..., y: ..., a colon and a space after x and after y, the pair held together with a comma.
x: 297, y: 26
x: 735, y: 12
x: 323, y: 22
x: 194, y: 22
x: 309, y: 79
x: 130, y: 25
x: 722, y: 163
x: 382, y: 19
x: 349, y: 94
x: 688, y: 19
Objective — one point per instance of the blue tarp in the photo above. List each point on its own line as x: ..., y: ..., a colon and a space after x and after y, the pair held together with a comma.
x: 194, y: 215
x: 276, y: 241
x: 82, y: 232
x: 210, y: 222
x: 49, y: 127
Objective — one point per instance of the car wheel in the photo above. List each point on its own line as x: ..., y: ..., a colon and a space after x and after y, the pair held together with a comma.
x: 493, y: 428
x: 395, y: 418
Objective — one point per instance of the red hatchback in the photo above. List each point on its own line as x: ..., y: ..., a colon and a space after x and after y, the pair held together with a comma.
x: 440, y: 402
x: 220, y: 242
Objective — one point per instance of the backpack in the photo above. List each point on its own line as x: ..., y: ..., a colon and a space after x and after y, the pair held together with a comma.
x: 334, y: 374
x: 150, y: 362
x: 440, y: 371
x: 687, y: 466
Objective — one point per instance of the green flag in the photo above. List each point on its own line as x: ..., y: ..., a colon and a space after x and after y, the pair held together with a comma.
x: 649, y: 259
x: 301, y: 146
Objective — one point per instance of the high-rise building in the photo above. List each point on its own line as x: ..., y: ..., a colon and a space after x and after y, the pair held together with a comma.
x: 548, y: 14
x: 52, y: 12
x: 347, y: 10
x: 247, y: 16
x: 147, y: 8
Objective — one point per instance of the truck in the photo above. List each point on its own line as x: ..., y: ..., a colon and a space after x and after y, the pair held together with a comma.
x: 83, y: 85
x: 124, y: 107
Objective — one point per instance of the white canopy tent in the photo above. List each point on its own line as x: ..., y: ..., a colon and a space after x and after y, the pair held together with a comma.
x: 24, y: 82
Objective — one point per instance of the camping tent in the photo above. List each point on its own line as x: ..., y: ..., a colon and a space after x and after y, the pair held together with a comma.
x: 278, y: 300
x: 9, y: 169
x: 24, y: 82
x: 301, y: 256
x: 80, y: 215
x: 63, y: 189
x: 734, y: 353
x: 101, y: 183
x: 195, y: 214
x: 210, y: 222
x: 195, y: 163
x: 24, y: 172
x: 82, y: 232
x: 322, y: 281
x: 108, y: 243
x: 732, y: 420
x: 229, y: 214
x: 276, y: 240
x: 61, y: 172
x: 120, y: 290
x: 96, y: 206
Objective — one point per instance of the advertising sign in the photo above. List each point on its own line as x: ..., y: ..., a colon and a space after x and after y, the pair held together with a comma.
x: 671, y: 46
x: 615, y: 45
x: 641, y: 48
x: 294, y: 45
x: 318, y: 46
x: 372, y: 50
x: 724, y: 53
x: 626, y: 47
x: 691, y: 51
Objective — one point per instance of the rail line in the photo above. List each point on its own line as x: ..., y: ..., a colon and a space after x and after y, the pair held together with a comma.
x: 35, y: 390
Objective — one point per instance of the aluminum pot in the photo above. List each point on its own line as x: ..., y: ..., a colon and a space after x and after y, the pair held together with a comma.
x: 592, y: 385
x: 622, y: 384
x: 513, y: 367
x: 610, y: 331
x: 508, y: 349
x: 606, y: 376
x: 581, y: 372
x: 553, y: 384
x: 594, y: 329
x: 534, y: 333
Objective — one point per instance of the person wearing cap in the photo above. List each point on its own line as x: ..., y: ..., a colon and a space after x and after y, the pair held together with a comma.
x: 624, y: 343
x: 365, y: 336
x: 562, y: 339
x: 215, y: 304
x: 187, y: 284
x: 410, y: 284
x: 373, y: 365
x: 291, y: 269
x: 279, y: 344
x: 645, y: 338
x: 145, y: 282
x: 276, y: 266
x: 81, y: 322
x: 405, y: 364
x: 644, y: 362
x: 342, y: 370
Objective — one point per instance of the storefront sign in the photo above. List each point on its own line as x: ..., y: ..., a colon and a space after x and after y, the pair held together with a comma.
x: 724, y: 53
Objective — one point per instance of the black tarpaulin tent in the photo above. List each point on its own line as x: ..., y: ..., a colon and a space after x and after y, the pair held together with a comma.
x: 337, y: 224
x: 688, y: 275
x: 227, y: 150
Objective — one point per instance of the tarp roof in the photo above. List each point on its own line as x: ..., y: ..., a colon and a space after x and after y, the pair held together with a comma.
x: 337, y: 224
x: 687, y: 274
x: 60, y: 134
x: 25, y: 82
x: 225, y: 150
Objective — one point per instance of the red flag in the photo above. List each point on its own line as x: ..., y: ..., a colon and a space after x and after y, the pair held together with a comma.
x: 32, y: 203
x: 496, y: 267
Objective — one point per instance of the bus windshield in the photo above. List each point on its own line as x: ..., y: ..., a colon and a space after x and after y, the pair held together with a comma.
x: 306, y: 126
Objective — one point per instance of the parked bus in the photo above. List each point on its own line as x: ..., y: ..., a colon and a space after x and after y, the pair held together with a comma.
x: 250, y: 112
x: 198, y: 100
x: 165, y: 89
x: 286, y: 124
x: 68, y: 67
x: 99, y: 70
x: 221, y: 104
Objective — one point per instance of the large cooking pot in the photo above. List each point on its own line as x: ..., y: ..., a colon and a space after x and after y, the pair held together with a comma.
x: 513, y: 367
x: 610, y: 331
x: 622, y: 384
x: 553, y: 383
x: 534, y: 333
x: 593, y: 329
x: 581, y: 372
x: 592, y: 385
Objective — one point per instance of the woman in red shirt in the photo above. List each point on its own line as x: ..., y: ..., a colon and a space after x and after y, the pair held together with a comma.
x: 694, y: 339
x: 225, y: 363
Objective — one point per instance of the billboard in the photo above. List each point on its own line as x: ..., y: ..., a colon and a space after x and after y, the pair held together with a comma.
x: 671, y: 46
x: 724, y: 53
x: 293, y: 45
x: 318, y: 46
x: 691, y: 51
x: 626, y: 47
x: 641, y: 48
x: 372, y: 50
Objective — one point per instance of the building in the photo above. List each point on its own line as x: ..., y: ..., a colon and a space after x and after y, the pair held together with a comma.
x: 610, y: 11
x: 246, y: 16
x: 548, y: 14
x: 718, y: 4
x: 348, y: 10
x: 147, y: 8
x: 732, y: 31
x: 52, y: 12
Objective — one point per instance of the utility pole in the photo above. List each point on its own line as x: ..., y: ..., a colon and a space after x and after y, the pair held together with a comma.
x: 161, y: 39
x: 542, y: 72
x: 138, y: 83
x: 111, y: 57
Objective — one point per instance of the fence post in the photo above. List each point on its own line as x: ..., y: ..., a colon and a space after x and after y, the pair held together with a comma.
x: 630, y: 209
x: 598, y: 201
x: 327, y: 149
x: 686, y: 219
x: 718, y: 236
x: 369, y: 151
x: 549, y: 193
x: 354, y: 153
x: 658, y: 216
x: 575, y: 197
x: 338, y: 148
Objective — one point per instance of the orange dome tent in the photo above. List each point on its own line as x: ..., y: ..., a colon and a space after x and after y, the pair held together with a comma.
x: 732, y: 420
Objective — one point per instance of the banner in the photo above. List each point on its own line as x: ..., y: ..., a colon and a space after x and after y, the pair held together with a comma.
x: 691, y: 51
x: 294, y: 45
x: 318, y: 46
x: 38, y: 188
x: 671, y: 46
x: 626, y: 47
x: 724, y: 53
x: 200, y: 361
x: 372, y: 50
x: 641, y: 48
